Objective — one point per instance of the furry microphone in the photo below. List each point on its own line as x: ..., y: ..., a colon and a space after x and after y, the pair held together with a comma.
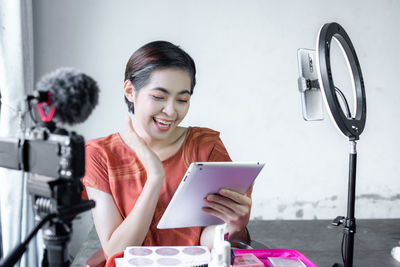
x: 73, y: 94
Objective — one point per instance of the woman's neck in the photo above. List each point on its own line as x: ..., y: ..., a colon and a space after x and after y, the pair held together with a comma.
x: 165, y: 147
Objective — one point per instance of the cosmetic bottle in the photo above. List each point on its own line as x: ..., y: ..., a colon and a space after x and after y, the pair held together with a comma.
x: 221, y: 252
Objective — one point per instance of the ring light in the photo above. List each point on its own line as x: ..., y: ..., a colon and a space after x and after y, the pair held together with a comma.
x: 353, y: 126
x: 350, y: 125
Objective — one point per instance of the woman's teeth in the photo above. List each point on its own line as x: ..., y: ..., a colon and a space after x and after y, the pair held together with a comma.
x: 163, y: 124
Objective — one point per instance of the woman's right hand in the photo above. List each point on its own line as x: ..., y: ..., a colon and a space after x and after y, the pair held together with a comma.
x: 150, y: 161
x: 115, y: 232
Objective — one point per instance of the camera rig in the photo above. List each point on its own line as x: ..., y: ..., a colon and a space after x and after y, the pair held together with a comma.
x: 56, y: 160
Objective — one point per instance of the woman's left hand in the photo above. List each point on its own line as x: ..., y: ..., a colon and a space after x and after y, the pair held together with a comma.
x: 230, y: 206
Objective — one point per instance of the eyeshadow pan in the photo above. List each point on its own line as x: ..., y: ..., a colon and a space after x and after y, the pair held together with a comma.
x: 169, y: 261
x: 140, y: 261
x: 167, y: 251
x: 140, y: 251
x: 194, y: 251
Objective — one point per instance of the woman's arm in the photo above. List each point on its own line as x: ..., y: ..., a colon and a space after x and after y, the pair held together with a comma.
x: 116, y: 233
x: 231, y: 207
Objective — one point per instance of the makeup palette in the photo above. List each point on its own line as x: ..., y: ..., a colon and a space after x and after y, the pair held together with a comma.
x: 174, y: 256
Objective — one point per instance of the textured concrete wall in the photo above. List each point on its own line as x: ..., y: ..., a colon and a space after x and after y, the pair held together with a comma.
x: 247, y: 87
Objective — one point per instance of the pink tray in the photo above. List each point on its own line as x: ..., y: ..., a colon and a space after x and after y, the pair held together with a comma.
x: 263, y: 254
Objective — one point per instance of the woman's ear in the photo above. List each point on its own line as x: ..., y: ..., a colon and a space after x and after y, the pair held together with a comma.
x: 129, y: 91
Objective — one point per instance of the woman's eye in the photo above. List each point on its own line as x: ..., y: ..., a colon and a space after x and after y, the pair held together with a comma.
x: 157, y: 97
x: 183, y: 100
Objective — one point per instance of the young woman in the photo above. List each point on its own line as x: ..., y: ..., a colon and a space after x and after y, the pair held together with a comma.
x: 133, y: 175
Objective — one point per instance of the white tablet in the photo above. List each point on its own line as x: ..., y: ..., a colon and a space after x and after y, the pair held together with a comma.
x: 201, y: 179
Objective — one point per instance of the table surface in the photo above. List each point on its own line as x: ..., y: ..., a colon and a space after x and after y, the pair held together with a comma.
x: 316, y: 239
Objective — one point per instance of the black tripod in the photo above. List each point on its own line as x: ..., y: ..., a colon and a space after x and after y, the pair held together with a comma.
x: 55, y: 216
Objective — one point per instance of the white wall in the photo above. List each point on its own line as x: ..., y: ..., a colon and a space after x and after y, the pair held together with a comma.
x: 245, y: 53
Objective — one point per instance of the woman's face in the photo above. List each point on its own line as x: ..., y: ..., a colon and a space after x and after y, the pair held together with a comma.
x: 162, y: 104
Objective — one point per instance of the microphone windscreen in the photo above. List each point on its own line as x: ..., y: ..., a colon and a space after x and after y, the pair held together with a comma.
x: 73, y: 94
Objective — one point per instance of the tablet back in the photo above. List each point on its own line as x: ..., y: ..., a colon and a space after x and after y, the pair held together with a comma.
x: 201, y: 179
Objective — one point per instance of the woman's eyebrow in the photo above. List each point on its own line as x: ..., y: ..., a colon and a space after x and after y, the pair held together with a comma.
x: 167, y: 92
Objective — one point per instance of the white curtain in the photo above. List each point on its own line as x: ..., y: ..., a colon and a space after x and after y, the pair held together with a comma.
x: 16, y: 79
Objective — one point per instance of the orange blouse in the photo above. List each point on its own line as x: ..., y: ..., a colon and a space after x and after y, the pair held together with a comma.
x: 114, y: 168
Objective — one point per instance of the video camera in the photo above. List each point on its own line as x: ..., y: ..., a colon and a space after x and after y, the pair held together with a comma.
x: 56, y: 159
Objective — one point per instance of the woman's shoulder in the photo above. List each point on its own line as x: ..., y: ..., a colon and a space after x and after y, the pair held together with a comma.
x: 202, y: 132
x: 105, y: 145
x: 104, y: 141
x: 203, y: 144
x: 201, y: 136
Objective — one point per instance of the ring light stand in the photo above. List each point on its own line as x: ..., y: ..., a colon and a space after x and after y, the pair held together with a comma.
x: 349, y: 125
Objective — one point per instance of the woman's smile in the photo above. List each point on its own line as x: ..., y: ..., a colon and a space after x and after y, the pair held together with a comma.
x: 162, y: 124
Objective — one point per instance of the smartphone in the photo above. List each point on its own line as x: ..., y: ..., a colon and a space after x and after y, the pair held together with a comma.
x: 311, y: 99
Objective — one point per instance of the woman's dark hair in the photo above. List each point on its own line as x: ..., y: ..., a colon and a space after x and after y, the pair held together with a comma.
x: 153, y: 56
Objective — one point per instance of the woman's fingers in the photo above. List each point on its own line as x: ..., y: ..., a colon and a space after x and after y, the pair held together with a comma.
x: 230, y: 206
x: 235, y: 201
x: 225, y: 204
x: 133, y: 134
x: 149, y: 159
x: 136, y: 142
x: 235, y: 196
x: 225, y: 216
x: 130, y: 124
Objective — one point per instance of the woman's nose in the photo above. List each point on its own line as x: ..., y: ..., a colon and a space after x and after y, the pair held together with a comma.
x: 169, y: 108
